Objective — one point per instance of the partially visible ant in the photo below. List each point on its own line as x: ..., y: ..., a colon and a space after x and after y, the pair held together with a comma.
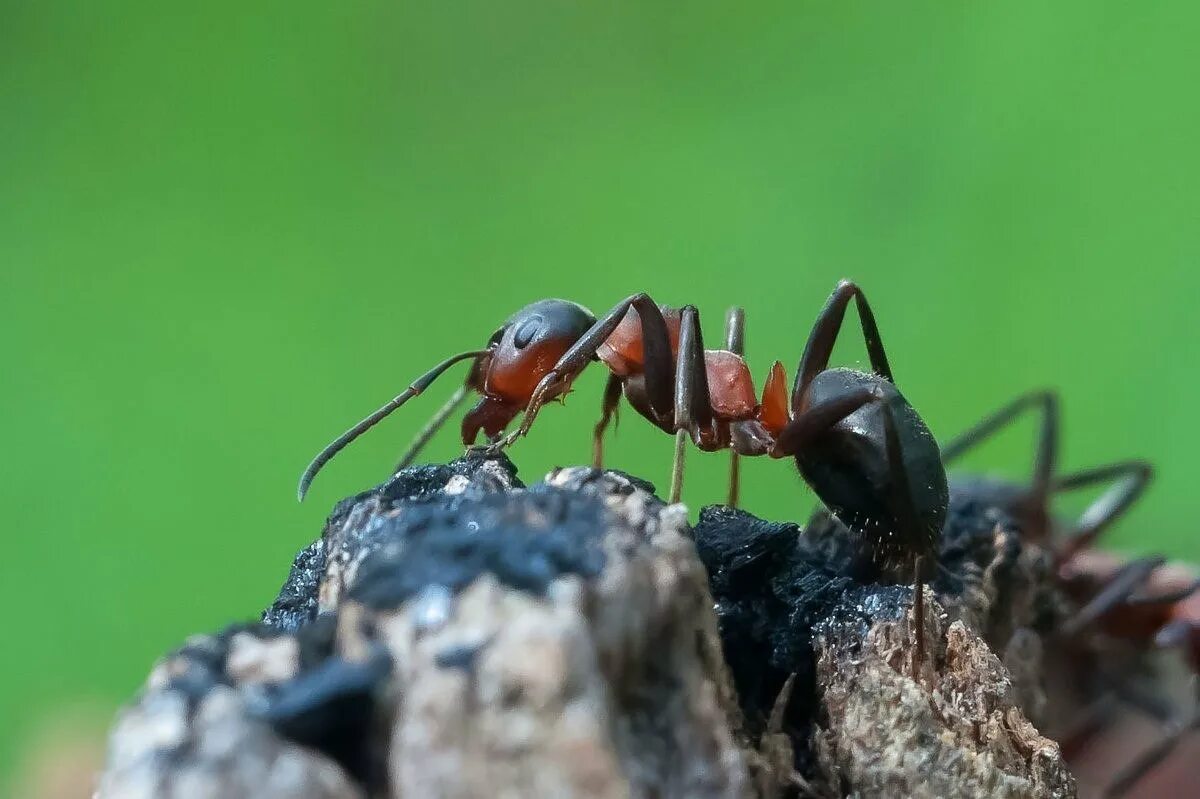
x: 1147, y: 605
x: 1136, y: 601
x: 855, y: 439
x: 1029, y: 504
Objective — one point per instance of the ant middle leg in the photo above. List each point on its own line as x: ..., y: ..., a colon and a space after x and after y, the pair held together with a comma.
x: 735, y: 342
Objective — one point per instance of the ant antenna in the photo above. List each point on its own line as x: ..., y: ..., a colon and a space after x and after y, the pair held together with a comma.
x: 338, y: 444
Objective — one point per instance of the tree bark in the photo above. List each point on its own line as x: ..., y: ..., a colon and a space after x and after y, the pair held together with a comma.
x: 453, y: 633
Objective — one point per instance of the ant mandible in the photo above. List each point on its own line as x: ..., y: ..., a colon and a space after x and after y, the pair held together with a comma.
x: 855, y: 439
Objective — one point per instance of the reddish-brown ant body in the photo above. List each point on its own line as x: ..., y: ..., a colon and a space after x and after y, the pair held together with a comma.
x: 855, y: 439
x: 1139, y: 602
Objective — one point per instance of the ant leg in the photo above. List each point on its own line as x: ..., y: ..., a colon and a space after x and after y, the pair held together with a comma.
x: 1046, y: 403
x: 1131, y: 478
x: 735, y: 342
x: 693, y: 409
x: 677, y: 461
x: 416, y: 387
x: 1094, y: 717
x: 1166, y: 598
x: 432, y: 426
x: 919, y: 544
x: 816, y: 419
x: 1128, y: 580
x: 1147, y: 760
x: 819, y: 347
x: 1160, y: 709
x: 608, y: 411
x: 918, y: 620
x: 657, y: 360
x: 779, y: 707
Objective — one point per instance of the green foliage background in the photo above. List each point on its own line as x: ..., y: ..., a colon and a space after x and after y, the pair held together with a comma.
x: 229, y: 229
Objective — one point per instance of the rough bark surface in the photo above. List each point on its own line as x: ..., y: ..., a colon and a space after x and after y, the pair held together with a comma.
x: 454, y: 633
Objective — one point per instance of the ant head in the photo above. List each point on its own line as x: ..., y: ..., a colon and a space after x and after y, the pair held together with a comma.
x: 528, y: 345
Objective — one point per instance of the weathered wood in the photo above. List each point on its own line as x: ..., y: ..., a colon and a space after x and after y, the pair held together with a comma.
x: 456, y: 634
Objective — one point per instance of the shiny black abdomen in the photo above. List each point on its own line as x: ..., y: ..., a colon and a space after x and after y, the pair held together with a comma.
x: 849, y: 470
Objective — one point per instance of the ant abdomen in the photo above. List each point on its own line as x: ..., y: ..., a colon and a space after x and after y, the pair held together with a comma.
x: 889, y: 485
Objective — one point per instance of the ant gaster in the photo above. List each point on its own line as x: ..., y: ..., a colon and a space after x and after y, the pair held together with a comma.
x: 855, y: 439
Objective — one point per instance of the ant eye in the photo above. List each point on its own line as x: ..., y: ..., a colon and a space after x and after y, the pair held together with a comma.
x: 526, y: 331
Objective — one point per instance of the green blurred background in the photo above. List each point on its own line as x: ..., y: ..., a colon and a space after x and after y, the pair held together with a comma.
x: 227, y: 230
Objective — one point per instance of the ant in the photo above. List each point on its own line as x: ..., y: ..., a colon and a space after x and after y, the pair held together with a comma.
x: 1137, y: 601
x: 1146, y: 605
x: 1029, y: 504
x: 855, y: 439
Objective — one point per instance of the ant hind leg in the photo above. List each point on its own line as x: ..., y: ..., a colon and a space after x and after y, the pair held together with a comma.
x: 819, y: 347
x: 693, y: 408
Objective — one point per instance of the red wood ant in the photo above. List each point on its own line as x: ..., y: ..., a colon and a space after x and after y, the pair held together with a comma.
x: 1030, y: 504
x: 855, y: 439
x: 1144, y: 604
x: 1147, y: 605
x: 1134, y: 601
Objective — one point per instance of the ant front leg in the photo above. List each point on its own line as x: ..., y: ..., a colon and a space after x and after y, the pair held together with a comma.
x: 735, y: 342
x: 693, y: 406
x: 656, y: 343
